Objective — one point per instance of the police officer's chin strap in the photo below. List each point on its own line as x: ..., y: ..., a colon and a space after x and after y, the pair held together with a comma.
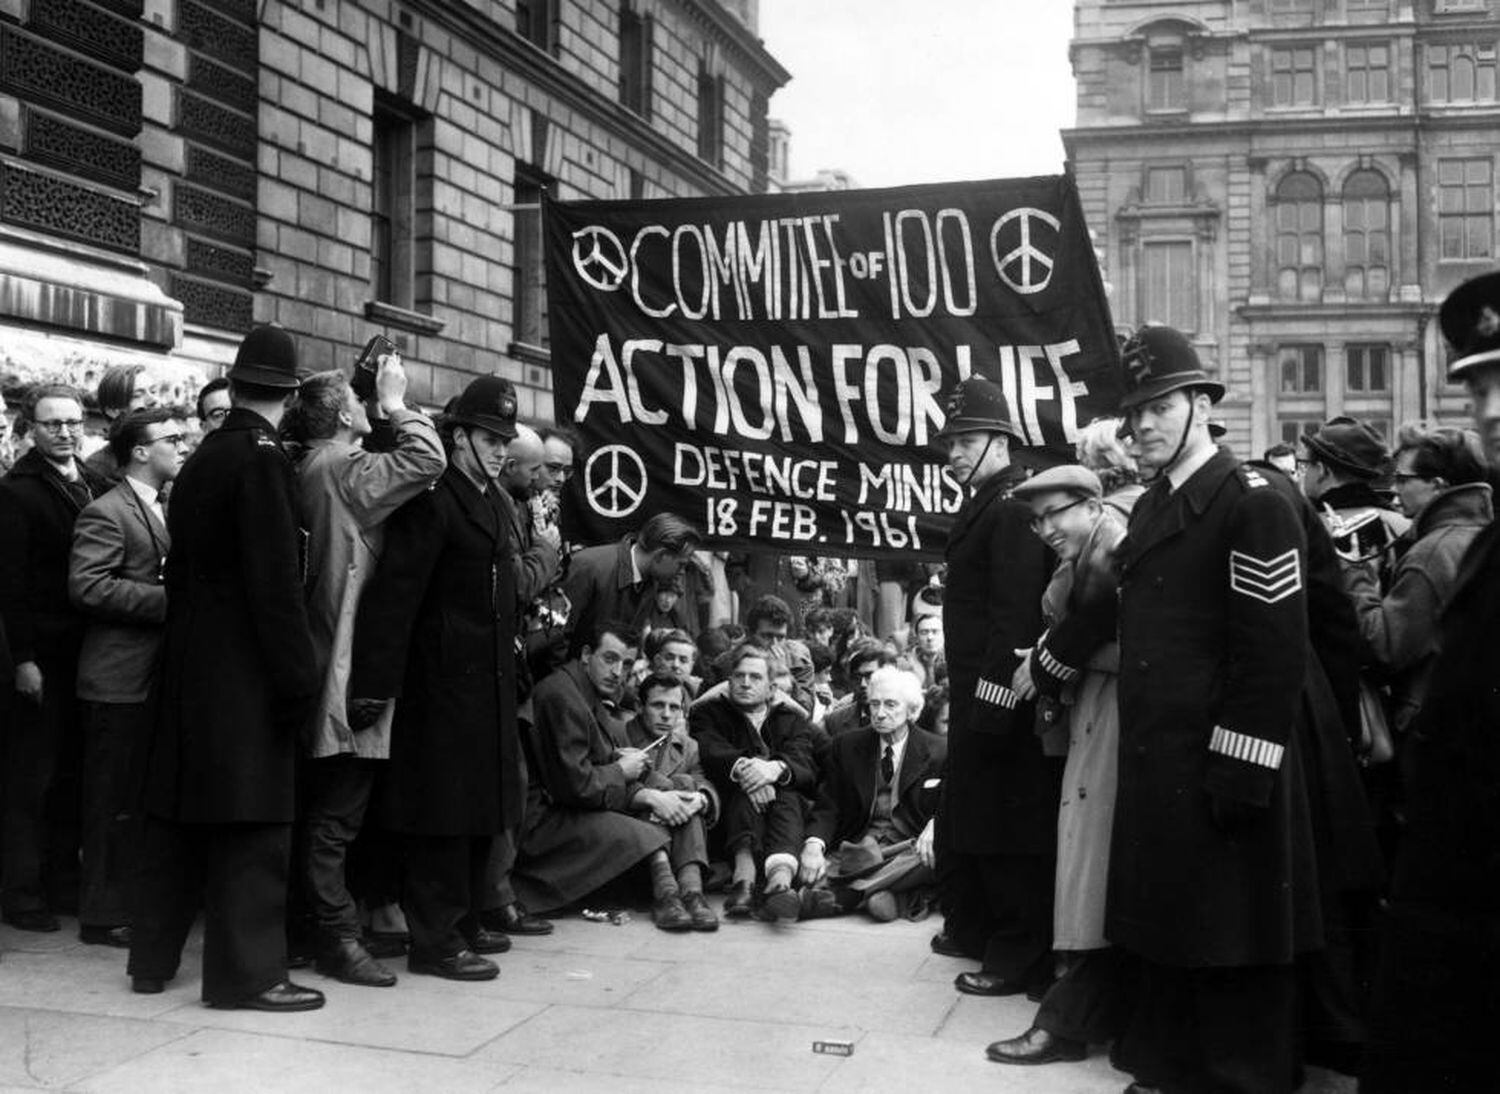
x: 483, y: 470
x: 979, y: 462
x: 1187, y: 429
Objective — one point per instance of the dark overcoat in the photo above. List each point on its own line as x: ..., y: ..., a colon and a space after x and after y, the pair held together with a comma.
x: 1214, y: 662
x: 437, y: 631
x: 725, y: 736
x: 846, y: 795
x: 238, y: 671
x: 1000, y: 795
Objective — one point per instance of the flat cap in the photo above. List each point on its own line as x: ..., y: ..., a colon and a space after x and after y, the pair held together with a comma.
x: 1069, y: 478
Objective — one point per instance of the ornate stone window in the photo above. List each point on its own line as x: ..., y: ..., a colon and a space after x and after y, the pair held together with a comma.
x: 1297, y: 213
x: 1367, y: 236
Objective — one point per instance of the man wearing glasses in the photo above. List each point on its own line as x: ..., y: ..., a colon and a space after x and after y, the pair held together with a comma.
x: 120, y: 546
x: 40, y: 500
x: 213, y: 405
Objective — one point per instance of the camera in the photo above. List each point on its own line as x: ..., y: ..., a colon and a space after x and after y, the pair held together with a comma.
x: 363, y: 382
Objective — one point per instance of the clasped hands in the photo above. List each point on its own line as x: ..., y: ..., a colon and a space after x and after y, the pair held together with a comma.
x: 672, y: 808
x: 758, y: 779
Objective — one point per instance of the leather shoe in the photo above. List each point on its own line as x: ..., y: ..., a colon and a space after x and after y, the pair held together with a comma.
x: 1036, y: 1046
x: 463, y: 965
x: 986, y: 983
x: 818, y: 904
x: 699, y: 913
x: 350, y: 962
x: 284, y: 996
x: 118, y: 937
x: 781, y: 904
x: 147, y: 985
x: 881, y: 906
x: 669, y: 913
x: 515, y: 919
x: 482, y: 940
x: 944, y: 944
x: 32, y: 919
x: 740, y: 903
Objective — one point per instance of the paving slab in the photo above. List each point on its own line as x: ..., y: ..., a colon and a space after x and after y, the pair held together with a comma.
x: 44, y: 1048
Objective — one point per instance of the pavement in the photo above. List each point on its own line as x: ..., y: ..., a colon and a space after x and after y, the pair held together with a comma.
x: 593, y: 1007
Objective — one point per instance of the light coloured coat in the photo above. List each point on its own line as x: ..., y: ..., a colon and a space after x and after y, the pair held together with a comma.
x: 344, y: 496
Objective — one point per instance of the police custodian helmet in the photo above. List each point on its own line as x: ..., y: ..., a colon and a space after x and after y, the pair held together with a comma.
x: 267, y: 358
x: 487, y: 403
x: 1470, y: 319
x: 978, y: 405
x: 1159, y: 360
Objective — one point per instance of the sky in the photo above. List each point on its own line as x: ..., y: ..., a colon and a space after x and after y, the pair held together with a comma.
x: 908, y: 91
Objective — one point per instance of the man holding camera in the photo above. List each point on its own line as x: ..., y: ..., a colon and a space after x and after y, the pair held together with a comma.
x: 345, y: 493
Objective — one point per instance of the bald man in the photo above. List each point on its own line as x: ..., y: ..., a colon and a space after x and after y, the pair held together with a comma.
x: 524, y: 457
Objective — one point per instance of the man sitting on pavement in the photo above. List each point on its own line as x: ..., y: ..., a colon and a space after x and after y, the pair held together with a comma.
x: 879, y: 788
x: 759, y: 755
x: 581, y: 830
x: 676, y: 793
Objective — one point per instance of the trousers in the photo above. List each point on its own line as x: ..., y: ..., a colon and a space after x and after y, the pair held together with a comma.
x: 240, y: 873
x: 115, y: 740
x: 338, y: 794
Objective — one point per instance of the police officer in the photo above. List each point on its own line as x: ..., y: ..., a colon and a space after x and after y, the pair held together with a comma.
x: 996, y: 828
x: 237, y: 682
x: 1212, y: 873
x: 1433, y: 1013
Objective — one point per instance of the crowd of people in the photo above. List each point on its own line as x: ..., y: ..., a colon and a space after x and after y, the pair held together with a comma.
x: 1199, y: 754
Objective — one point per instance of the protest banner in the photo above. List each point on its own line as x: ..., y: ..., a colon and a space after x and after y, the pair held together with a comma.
x: 774, y: 368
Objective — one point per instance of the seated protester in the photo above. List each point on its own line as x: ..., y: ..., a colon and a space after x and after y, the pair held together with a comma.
x: 850, y: 712
x: 822, y: 683
x: 674, y: 653
x: 769, y: 623
x: 878, y: 791
x: 713, y: 644
x: 848, y: 629
x: 925, y: 648
x: 663, y: 612
x: 580, y: 829
x: 934, y: 717
x: 676, y: 793
x: 759, y: 755
x: 817, y: 627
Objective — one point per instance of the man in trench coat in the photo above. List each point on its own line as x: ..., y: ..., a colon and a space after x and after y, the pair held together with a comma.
x: 238, y: 678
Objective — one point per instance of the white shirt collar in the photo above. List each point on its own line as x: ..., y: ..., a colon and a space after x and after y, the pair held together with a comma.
x: 145, y: 491
x: 898, y: 749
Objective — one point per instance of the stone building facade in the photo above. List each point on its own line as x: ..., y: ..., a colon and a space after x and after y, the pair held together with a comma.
x: 173, y: 170
x: 1297, y: 184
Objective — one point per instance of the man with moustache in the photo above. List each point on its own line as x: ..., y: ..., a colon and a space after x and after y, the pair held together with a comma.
x: 1212, y: 874
x: 120, y: 548
x: 995, y: 831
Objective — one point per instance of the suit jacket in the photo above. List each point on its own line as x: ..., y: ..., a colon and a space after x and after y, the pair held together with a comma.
x: 599, y: 586
x: 847, y: 794
x: 345, y: 494
x: 115, y: 578
x: 675, y: 765
x: 238, y: 673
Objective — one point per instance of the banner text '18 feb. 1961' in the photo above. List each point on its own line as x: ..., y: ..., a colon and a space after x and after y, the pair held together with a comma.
x: 774, y: 368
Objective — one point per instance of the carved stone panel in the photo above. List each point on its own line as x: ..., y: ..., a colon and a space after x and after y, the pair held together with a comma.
x: 83, y: 27
x: 220, y: 263
x: 212, y: 305
x: 224, y: 84
x: 56, y: 143
x: 57, y: 207
x: 207, y: 121
x: 221, y: 173
x: 213, y: 215
x: 38, y: 72
x: 221, y: 38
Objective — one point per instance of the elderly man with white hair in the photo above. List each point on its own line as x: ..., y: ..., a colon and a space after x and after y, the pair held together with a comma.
x: 862, y: 849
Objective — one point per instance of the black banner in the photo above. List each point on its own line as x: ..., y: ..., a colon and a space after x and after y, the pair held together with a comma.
x: 774, y: 368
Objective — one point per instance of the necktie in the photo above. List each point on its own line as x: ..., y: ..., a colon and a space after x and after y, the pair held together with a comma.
x: 888, y: 765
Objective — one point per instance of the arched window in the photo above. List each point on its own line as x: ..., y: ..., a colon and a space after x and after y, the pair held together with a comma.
x: 1298, y: 216
x: 1367, y: 236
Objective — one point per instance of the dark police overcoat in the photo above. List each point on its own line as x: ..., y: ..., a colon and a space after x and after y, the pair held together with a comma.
x: 437, y: 630
x: 1000, y: 794
x: 238, y: 672
x: 1214, y: 661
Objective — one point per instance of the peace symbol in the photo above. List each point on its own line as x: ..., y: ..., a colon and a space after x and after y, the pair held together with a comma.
x: 614, y: 488
x: 603, y: 264
x: 1032, y: 262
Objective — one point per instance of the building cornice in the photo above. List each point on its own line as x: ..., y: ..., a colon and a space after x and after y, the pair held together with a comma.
x: 525, y: 59
x: 732, y: 32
